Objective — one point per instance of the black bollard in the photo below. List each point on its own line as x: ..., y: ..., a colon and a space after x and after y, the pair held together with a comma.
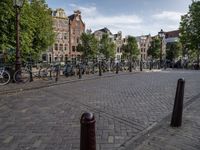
x: 176, y: 119
x: 141, y: 65
x: 57, y: 73
x: 150, y: 65
x: 100, y: 72
x: 88, y: 136
x: 80, y: 72
x: 130, y: 67
x: 31, y: 74
x: 117, y: 68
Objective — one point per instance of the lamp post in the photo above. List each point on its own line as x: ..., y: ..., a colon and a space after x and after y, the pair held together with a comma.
x: 198, y: 56
x: 17, y: 5
x: 161, y: 34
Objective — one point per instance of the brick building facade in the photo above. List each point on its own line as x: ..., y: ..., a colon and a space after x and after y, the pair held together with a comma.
x: 144, y: 44
x: 116, y: 38
x: 60, y: 49
x: 76, y: 28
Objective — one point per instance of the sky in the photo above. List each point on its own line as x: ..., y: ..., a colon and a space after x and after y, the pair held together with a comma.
x: 132, y: 17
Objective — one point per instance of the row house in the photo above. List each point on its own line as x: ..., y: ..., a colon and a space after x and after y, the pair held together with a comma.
x: 60, y: 49
x: 125, y: 41
x: 116, y: 38
x: 68, y: 31
x: 171, y: 36
x: 119, y: 42
x: 76, y: 28
x: 144, y: 43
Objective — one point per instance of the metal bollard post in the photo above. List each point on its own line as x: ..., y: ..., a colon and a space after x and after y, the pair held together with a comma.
x: 130, y: 67
x: 150, y: 66
x: 117, y: 68
x: 100, y: 73
x: 31, y: 74
x: 176, y: 119
x: 57, y: 73
x: 88, y: 136
x: 80, y: 72
x: 141, y: 65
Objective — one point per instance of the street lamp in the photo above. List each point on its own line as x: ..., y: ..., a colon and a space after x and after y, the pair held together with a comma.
x: 198, y: 56
x: 17, y: 5
x: 161, y: 34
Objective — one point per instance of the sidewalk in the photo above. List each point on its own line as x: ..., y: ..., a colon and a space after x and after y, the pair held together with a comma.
x: 186, y: 137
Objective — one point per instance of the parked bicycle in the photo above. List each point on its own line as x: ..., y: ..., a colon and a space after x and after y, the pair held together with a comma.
x: 26, y: 74
x: 4, y: 76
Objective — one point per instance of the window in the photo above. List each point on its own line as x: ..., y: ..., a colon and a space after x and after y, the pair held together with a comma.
x: 77, y: 40
x: 56, y: 47
x: 44, y: 57
x: 118, y: 50
x: 65, y: 36
x: 73, y: 48
x: 50, y: 58
x: 118, y: 57
x: 65, y: 47
x: 59, y: 36
x: 61, y: 47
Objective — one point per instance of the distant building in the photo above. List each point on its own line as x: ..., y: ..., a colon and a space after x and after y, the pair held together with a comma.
x: 172, y: 36
x: 76, y: 28
x: 60, y: 49
x: 119, y: 42
x: 144, y: 44
x: 99, y: 34
x: 116, y: 38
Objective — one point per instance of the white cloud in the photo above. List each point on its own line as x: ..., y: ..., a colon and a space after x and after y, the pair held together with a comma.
x: 168, y: 15
x: 95, y: 20
x: 89, y: 11
x: 130, y: 24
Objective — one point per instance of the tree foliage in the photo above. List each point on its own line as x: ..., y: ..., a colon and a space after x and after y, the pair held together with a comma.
x: 190, y: 30
x: 36, y: 28
x: 88, y: 45
x: 173, y: 50
x: 130, y: 49
x: 107, y: 47
x: 154, y: 49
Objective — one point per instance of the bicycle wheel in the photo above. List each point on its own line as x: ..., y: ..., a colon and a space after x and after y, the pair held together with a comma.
x: 4, y: 78
x: 44, y: 74
x: 22, y: 76
x: 51, y: 73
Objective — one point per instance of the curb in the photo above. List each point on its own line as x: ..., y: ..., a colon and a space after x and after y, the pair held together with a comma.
x: 135, y: 141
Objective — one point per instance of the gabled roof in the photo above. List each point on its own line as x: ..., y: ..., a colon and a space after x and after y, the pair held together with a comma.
x: 105, y: 30
x: 71, y: 17
x: 172, y: 34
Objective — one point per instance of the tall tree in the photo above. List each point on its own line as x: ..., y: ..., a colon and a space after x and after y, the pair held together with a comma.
x: 173, y: 50
x: 107, y: 47
x: 130, y: 49
x: 7, y: 26
x: 190, y: 29
x: 36, y: 29
x: 88, y: 45
x: 154, y: 49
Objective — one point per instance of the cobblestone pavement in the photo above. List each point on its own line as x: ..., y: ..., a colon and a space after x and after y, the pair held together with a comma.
x: 124, y: 106
x: 185, y: 138
x: 39, y: 83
